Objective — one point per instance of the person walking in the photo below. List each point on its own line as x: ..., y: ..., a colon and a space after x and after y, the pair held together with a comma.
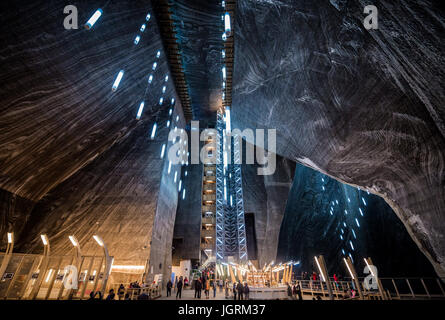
x: 234, y: 291
x: 207, y: 289
x: 246, y: 291
x: 239, y: 289
x: 179, y: 288
x: 121, y: 292
x: 289, y: 290
x: 198, y: 288
x: 227, y: 290
x: 300, y: 297
x: 169, y: 288
x: 214, y: 288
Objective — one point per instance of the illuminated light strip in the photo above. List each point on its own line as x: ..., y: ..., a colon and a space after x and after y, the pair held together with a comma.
x: 118, y: 80
x: 141, y: 108
x: 356, y: 221
x: 44, y: 239
x: 90, y: 23
x: 350, y: 272
x: 153, y: 131
x: 98, y: 240
x: 158, y: 54
x: 73, y: 241
x: 9, y: 237
x: 137, y: 39
x: 176, y: 176
x: 150, y: 79
x: 180, y: 186
x: 49, y: 275
x: 148, y: 17
x: 319, y: 268
x: 155, y: 64
x: 366, y: 261
x: 224, y: 72
x: 163, y: 89
x: 183, y: 194
x: 143, y: 28
x: 162, y: 151
x: 227, y: 24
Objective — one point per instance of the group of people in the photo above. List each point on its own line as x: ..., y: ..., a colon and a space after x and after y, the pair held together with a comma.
x: 240, y: 291
x: 294, y: 292
x: 206, y: 284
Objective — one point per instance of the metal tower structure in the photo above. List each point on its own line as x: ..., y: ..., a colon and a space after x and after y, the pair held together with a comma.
x: 230, y: 223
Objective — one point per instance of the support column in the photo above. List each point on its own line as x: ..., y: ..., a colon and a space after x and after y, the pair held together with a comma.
x: 353, y: 274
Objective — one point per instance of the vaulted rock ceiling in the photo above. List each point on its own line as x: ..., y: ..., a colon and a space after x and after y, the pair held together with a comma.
x: 365, y: 107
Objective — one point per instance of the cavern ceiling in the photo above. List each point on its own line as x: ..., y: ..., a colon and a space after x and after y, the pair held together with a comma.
x: 365, y: 107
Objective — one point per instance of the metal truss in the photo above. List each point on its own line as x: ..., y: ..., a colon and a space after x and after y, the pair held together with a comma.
x: 230, y: 223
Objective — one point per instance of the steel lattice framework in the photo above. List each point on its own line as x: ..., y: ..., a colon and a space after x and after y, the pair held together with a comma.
x: 230, y: 223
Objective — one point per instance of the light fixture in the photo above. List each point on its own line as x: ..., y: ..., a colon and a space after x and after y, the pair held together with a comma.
x: 73, y: 241
x: 118, y: 80
x: 142, y: 28
x: 166, y: 78
x: 9, y: 237
x: 98, y: 240
x: 90, y: 23
x: 44, y: 239
x: 169, y: 167
x: 141, y: 107
x: 155, y: 64
x: 183, y: 194
x: 136, y: 40
x: 369, y: 267
x: 349, y: 269
x: 319, y: 268
x: 162, y: 151
x: 150, y: 79
x: 224, y: 72
x: 227, y: 24
x: 161, y: 101
x: 148, y: 17
x: 158, y: 54
x: 153, y: 131
x: 173, y: 101
x: 163, y: 89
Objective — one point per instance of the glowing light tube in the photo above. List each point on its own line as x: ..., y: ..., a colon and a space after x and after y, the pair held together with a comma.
x: 153, y: 131
x: 227, y: 26
x: 161, y: 101
x: 90, y: 23
x: 118, y: 80
x: 158, y: 54
x: 136, y: 40
x: 183, y: 194
x: 141, y: 108
x: 155, y: 64
x: 180, y: 186
x: 223, y: 53
x: 169, y: 167
x: 163, y: 89
x: 148, y: 17
x: 166, y: 78
x: 224, y: 72
x: 150, y: 79
x: 173, y: 101
x: 162, y: 151
x: 143, y: 28
x: 168, y: 123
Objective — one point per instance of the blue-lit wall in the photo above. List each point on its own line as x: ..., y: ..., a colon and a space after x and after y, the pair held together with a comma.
x: 324, y: 216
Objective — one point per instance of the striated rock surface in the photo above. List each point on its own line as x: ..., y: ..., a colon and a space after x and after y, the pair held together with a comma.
x: 365, y: 107
x: 324, y: 216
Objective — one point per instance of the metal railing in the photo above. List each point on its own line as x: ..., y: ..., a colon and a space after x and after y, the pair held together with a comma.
x: 393, y: 288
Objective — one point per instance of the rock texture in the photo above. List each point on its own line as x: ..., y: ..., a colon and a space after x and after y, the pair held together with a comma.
x: 73, y: 157
x: 199, y: 29
x: 309, y: 229
x: 365, y: 107
x: 266, y: 197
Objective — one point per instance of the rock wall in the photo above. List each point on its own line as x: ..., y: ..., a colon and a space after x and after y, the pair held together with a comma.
x: 362, y: 106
